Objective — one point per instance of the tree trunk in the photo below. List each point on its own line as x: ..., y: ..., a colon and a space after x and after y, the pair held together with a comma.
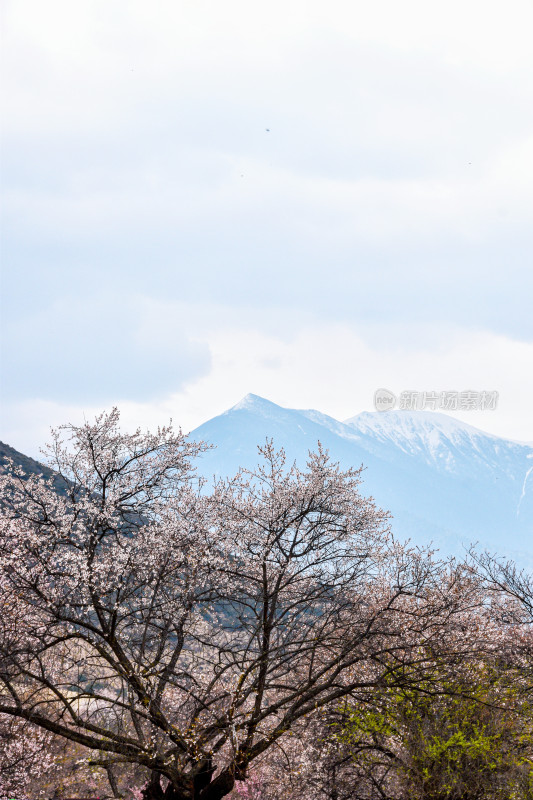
x: 172, y: 793
x: 219, y: 788
x: 199, y: 788
x: 153, y: 790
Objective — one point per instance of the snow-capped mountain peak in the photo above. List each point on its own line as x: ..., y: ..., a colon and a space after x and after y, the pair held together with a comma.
x: 257, y: 405
x: 400, y: 425
x: 443, y: 480
x: 440, y: 440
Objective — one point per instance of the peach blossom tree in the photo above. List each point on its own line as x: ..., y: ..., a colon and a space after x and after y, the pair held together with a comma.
x: 188, y: 631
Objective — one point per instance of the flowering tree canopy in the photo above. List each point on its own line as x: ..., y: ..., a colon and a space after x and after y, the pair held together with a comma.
x: 188, y: 632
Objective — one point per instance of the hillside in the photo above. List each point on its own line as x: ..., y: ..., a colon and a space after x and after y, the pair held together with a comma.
x: 29, y: 465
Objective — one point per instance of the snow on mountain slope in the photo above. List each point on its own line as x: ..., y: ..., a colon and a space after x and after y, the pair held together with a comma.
x: 442, y: 441
x: 443, y: 480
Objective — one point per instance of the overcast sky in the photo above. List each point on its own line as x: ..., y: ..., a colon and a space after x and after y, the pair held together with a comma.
x: 305, y: 200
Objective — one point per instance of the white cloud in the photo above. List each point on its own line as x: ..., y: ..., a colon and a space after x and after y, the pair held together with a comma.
x: 392, y: 191
x: 337, y: 369
x: 333, y: 368
x: 100, y: 349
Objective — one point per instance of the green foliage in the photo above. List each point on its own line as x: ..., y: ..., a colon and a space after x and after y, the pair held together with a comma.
x: 449, y: 739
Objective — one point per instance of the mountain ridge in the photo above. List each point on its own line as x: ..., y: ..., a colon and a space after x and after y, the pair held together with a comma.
x: 442, y: 479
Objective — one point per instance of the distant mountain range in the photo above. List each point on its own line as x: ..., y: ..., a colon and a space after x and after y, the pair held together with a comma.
x: 444, y: 481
